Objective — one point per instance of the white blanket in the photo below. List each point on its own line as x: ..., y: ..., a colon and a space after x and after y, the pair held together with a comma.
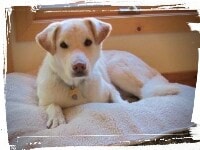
x: 95, y: 123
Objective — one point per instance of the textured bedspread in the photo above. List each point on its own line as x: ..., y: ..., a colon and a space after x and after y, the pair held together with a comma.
x: 95, y: 123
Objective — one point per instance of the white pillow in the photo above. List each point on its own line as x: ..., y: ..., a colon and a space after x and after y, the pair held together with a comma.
x: 95, y: 123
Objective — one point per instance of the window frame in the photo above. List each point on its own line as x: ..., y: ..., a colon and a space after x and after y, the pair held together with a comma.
x: 28, y: 21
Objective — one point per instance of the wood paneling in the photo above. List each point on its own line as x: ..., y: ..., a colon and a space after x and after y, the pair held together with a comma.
x: 29, y: 22
x: 187, y: 78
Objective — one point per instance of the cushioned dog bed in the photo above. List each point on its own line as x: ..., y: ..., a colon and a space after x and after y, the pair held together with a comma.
x: 93, y: 124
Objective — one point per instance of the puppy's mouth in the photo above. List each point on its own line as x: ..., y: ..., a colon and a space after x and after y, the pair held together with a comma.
x: 80, y: 74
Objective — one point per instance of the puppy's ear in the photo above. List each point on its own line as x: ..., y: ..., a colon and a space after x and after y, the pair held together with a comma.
x: 100, y: 29
x: 47, y: 38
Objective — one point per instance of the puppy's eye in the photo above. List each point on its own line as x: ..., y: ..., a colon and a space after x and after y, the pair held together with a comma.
x: 63, y: 45
x: 88, y: 42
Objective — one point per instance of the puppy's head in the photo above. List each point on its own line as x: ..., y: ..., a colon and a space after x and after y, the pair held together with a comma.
x: 74, y: 45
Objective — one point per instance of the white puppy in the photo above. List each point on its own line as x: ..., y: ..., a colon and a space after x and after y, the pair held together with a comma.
x: 76, y: 70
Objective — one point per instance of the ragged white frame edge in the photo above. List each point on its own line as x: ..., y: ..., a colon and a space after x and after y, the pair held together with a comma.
x: 193, y: 4
x: 195, y: 131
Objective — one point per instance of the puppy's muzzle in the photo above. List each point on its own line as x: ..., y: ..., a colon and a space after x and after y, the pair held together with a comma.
x: 79, y: 69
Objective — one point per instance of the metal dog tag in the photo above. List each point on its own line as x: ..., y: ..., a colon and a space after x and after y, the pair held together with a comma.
x: 74, y: 96
x: 74, y: 93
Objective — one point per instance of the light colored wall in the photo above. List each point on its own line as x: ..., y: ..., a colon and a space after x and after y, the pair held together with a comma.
x: 167, y: 52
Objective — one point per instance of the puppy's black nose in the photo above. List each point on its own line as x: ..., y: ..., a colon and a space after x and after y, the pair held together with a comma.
x: 79, y: 67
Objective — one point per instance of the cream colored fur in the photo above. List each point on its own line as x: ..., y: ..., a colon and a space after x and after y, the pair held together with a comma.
x: 56, y: 80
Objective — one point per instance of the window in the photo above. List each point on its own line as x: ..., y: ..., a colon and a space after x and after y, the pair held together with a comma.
x: 126, y: 16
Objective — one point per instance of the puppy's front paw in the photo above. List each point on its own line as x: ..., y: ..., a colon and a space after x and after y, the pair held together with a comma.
x: 55, y: 116
x: 55, y: 121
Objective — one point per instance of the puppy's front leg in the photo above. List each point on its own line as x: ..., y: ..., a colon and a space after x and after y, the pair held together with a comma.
x: 55, y: 116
